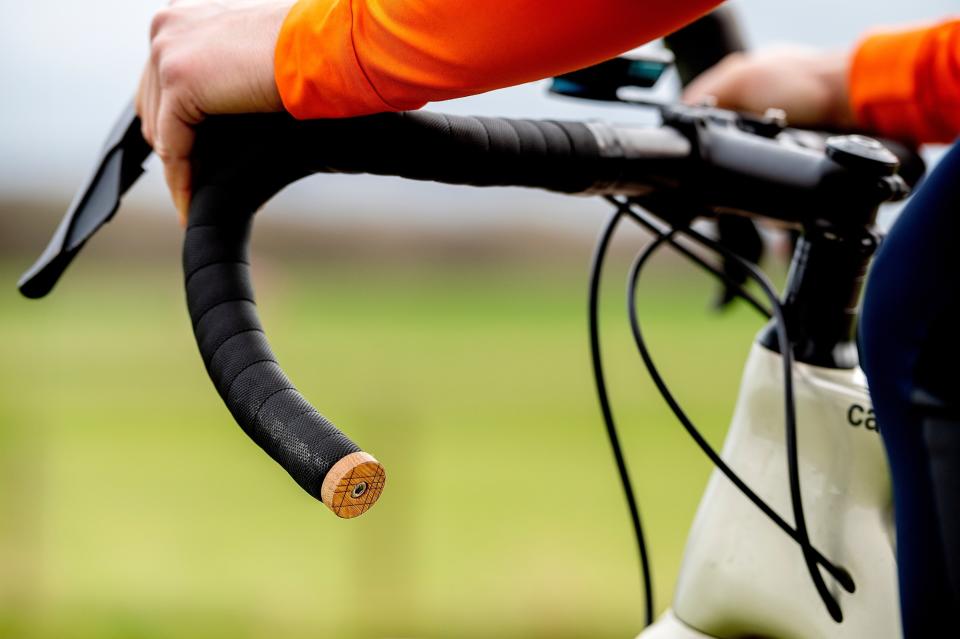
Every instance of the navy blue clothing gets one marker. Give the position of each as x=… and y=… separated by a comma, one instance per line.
x=910, y=351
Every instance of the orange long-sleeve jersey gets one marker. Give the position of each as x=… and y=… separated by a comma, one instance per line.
x=906, y=84
x=341, y=58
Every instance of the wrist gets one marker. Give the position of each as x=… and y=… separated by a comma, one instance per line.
x=276, y=15
x=834, y=73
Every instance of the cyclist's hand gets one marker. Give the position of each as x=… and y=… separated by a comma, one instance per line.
x=206, y=57
x=809, y=85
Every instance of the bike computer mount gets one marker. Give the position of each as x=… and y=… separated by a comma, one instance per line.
x=603, y=81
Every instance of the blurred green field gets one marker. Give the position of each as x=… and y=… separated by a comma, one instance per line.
x=132, y=506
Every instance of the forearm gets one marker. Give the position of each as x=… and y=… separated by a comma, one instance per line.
x=340, y=58
x=906, y=84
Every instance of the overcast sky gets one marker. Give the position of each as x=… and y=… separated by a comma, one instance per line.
x=67, y=67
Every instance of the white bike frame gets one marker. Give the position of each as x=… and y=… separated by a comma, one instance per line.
x=741, y=575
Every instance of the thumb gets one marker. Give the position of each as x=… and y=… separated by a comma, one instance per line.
x=706, y=89
x=720, y=83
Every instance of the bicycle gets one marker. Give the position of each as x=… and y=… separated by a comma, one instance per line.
x=700, y=162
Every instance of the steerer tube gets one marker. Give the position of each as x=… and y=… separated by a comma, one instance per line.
x=822, y=296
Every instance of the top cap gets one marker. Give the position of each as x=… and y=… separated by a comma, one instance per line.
x=861, y=153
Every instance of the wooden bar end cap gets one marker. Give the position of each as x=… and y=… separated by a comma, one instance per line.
x=353, y=485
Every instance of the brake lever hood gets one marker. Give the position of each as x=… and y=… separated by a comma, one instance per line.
x=119, y=167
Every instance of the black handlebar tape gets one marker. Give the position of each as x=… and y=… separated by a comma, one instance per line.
x=262, y=399
x=558, y=156
x=242, y=161
x=565, y=157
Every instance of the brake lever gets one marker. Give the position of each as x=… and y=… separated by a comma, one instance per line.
x=119, y=167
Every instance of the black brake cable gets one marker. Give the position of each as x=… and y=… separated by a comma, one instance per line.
x=812, y=556
x=839, y=573
x=737, y=287
x=596, y=270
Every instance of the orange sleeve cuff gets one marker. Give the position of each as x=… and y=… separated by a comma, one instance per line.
x=906, y=84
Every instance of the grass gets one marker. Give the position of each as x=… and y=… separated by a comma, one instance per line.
x=132, y=506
